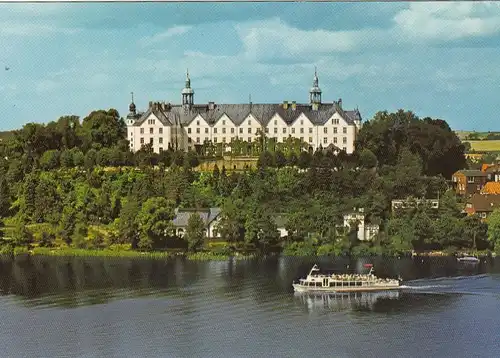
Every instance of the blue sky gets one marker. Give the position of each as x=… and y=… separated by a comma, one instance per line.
x=437, y=59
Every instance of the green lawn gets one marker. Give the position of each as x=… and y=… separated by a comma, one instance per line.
x=485, y=145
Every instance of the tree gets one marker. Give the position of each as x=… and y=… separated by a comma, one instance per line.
x=195, y=232
x=155, y=222
x=260, y=230
x=231, y=222
x=367, y=158
x=494, y=229
x=128, y=227
x=21, y=236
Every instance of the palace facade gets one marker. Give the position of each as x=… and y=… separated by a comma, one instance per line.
x=186, y=125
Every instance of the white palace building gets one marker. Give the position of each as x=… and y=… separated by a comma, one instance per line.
x=188, y=124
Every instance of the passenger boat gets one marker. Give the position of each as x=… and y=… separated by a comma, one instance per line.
x=468, y=259
x=316, y=282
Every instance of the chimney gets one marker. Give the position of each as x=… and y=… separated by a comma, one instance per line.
x=285, y=104
x=294, y=105
x=211, y=105
x=340, y=103
x=150, y=104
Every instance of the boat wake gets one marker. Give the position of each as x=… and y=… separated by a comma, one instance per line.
x=426, y=287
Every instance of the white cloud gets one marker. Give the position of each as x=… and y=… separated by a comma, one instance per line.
x=420, y=23
x=448, y=21
x=171, y=32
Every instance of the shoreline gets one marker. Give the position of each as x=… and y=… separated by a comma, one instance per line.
x=206, y=255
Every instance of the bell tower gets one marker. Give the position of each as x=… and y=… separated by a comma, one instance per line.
x=187, y=93
x=315, y=92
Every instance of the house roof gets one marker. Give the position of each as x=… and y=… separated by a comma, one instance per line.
x=491, y=188
x=471, y=173
x=207, y=215
x=492, y=168
x=484, y=202
x=237, y=113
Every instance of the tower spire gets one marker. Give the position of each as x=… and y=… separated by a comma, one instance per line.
x=315, y=92
x=187, y=92
x=132, y=93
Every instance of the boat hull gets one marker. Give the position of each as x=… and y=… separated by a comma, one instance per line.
x=300, y=288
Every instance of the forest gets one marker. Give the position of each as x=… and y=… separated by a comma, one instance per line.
x=74, y=183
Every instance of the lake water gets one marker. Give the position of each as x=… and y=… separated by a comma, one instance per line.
x=98, y=307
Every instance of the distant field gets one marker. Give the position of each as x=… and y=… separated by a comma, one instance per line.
x=485, y=145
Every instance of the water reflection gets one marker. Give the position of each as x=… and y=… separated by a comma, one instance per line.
x=76, y=281
x=344, y=301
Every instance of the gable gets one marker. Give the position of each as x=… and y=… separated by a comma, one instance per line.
x=281, y=122
x=336, y=116
x=200, y=118
x=302, y=117
x=224, y=121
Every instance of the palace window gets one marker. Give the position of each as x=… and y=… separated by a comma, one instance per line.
x=215, y=139
x=142, y=130
x=160, y=140
x=310, y=139
x=223, y=130
x=301, y=122
x=223, y=139
x=197, y=139
x=161, y=149
x=344, y=130
x=275, y=130
x=249, y=140
x=325, y=140
x=310, y=130
x=232, y=130
x=284, y=130
x=301, y=139
x=160, y=130
x=293, y=130
x=150, y=140
x=344, y=140
x=344, y=149
x=301, y=130
x=206, y=130
x=151, y=130
x=249, y=130
x=197, y=123
x=325, y=130
x=335, y=140
x=241, y=130
x=335, y=130
x=142, y=140
x=189, y=130
x=249, y=122
x=198, y=130
x=275, y=122
x=267, y=130
x=189, y=139
x=215, y=130
x=151, y=121
x=223, y=122
x=131, y=134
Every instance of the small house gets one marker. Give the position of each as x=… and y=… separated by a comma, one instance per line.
x=209, y=216
x=469, y=182
x=482, y=204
